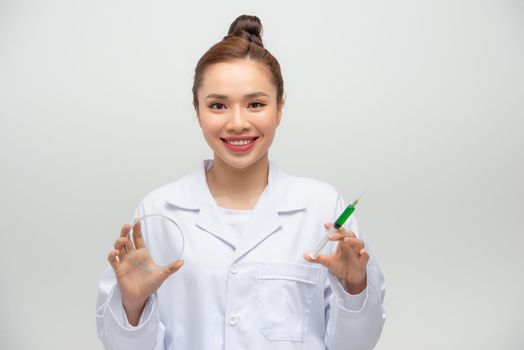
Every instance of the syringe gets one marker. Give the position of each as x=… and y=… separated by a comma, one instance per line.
x=340, y=221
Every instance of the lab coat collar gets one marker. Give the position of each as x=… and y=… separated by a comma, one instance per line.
x=192, y=193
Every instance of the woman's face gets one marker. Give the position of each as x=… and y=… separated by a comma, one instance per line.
x=238, y=112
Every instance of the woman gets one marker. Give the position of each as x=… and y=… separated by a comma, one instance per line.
x=246, y=281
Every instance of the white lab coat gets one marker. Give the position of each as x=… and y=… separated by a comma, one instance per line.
x=257, y=293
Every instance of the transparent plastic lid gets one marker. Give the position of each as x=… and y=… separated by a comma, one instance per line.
x=157, y=242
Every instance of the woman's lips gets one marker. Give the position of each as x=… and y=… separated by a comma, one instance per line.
x=240, y=144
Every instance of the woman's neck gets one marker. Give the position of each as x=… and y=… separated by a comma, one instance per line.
x=237, y=188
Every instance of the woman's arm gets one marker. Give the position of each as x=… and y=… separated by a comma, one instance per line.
x=355, y=290
x=127, y=312
x=356, y=321
x=113, y=326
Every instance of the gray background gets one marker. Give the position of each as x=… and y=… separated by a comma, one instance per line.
x=421, y=102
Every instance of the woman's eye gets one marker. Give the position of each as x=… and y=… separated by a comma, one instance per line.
x=219, y=105
x=257, y=104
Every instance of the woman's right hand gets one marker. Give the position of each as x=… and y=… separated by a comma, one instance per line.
x=136, y=284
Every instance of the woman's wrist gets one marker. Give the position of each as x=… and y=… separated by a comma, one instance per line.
x=355, y=288
x=134, y=311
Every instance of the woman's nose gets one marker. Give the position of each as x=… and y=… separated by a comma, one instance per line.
x=237, y=120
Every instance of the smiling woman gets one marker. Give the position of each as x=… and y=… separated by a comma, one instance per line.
x=247, y=283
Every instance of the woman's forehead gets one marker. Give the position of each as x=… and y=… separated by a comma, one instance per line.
x=237, y=77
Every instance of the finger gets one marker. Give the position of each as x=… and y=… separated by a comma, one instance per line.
x=138, y=239
x=364, y=256
x=120, y=242
x=358, y=244
x=337, y=236
x=124, y=232
x=120, y=245
x=341, y=234
x=354, y=244
x=351, y=234
x=112, y=258
x=174, y=267
x=320, y=259
x=328, y=225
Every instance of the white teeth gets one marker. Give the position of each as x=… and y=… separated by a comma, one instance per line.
x=239, y=142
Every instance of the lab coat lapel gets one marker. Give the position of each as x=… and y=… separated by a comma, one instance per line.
x=279, y=196
x=192, y=193
x=209, y=220
x=264, y=221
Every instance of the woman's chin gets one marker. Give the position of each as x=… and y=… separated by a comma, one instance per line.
x=240, y=162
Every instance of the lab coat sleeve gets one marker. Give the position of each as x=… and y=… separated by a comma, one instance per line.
x=113, y=328
x=355, y=322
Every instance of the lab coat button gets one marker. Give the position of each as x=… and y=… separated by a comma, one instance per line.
x=233, y=320
x=234, y=269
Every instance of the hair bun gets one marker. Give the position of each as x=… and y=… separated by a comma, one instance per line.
x=247, y=27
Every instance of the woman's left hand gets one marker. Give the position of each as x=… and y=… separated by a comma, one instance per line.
x=349, y=260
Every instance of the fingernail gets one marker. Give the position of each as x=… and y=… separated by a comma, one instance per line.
x=332, y=235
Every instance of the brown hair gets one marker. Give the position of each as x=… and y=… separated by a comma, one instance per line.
x=243, y=40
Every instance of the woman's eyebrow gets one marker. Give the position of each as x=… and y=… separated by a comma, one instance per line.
x=225, y=97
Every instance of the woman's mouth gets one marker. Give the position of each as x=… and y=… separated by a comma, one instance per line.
x=239, y=144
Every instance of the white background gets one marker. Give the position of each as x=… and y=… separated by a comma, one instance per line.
x=422, y=102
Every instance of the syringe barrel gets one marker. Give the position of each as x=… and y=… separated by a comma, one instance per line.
x=345, y=215
x=322, y=242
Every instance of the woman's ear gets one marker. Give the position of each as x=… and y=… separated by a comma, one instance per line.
x=197, y=115
x=279, y=111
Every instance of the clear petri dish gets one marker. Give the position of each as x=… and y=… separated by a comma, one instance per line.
x=161, y=245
